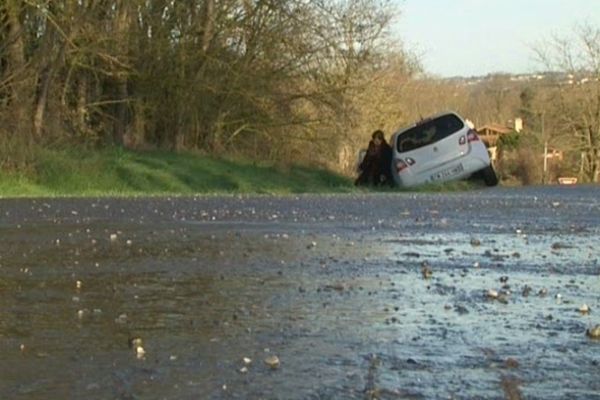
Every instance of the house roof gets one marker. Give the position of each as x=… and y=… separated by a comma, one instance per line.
x=494, y=128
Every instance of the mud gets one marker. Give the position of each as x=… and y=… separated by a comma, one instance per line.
x=382, y=296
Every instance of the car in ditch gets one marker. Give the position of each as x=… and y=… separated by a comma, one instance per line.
x=439, y=149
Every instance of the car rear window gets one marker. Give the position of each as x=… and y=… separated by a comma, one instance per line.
x=428, y=132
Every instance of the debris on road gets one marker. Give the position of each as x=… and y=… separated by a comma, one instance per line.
x=272, y=362
x=584, y=309
x=593, y=333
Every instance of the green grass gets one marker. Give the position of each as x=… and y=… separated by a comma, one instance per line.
x=452, y=186
x=118, y=172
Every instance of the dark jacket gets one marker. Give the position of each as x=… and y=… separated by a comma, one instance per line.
x=375, y=168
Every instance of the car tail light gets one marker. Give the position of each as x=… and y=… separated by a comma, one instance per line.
x=472, y=136
x=400, y=165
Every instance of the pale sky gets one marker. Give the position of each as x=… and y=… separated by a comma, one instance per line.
x=477, y=37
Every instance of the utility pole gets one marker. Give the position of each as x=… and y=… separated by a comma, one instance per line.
x=544, y=175
x=545, y=162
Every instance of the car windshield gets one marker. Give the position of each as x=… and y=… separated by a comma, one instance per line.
x=428, y=132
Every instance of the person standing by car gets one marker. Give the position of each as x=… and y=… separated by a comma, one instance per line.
x=375, y=168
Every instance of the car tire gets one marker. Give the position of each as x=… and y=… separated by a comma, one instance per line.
x=489, y=176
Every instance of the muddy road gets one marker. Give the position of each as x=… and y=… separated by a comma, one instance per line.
x=378, y=296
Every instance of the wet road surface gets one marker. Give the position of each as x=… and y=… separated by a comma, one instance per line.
x=377, y=296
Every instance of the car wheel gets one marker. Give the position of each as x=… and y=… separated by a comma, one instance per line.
x=489, y=176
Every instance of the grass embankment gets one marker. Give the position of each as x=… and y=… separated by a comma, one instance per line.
x=118, y=172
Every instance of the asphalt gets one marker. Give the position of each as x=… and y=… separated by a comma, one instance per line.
x=392, y=295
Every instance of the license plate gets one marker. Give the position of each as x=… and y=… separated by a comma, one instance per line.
x=448, y=172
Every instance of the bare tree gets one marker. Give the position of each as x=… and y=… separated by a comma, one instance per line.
x=575, y=100
x=15, y=71
x=16, y=89
x=270, y=78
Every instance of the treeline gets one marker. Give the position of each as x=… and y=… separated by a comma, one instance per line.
x=560, y=108
x=280, y=80
x=269, y=79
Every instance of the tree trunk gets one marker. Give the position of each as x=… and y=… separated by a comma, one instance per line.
x=209, y=21
x=16, y=44
x=42, y=100
x=123, y=22
x=15, y=70
x=47, y=75
x=82, y=100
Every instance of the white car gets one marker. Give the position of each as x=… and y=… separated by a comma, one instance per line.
x=437, y=149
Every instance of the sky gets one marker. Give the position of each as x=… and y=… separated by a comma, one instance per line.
x=477, y=37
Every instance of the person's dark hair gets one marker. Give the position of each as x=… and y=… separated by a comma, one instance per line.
x=379, y=135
